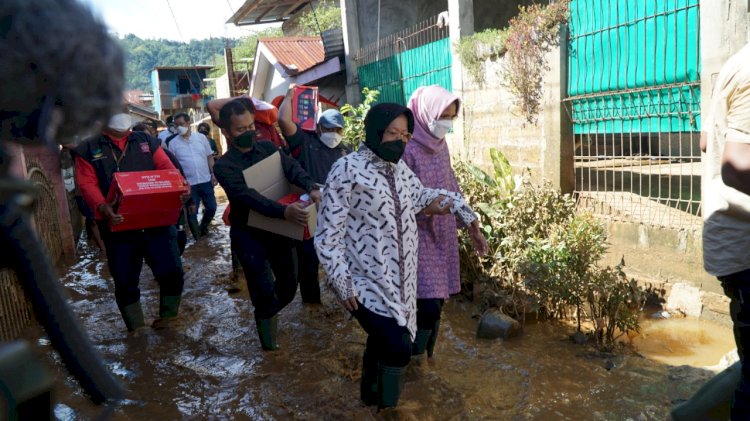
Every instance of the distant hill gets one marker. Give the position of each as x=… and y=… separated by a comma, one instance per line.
x=142, y=55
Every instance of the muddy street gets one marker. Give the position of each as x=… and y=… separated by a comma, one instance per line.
x=209, y=365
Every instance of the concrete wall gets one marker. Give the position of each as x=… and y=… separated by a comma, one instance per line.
x=493, y=120
x=395, y=15
x=724, y=31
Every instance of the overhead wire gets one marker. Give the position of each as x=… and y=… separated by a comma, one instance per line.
x=315, y=16
x=192, y=64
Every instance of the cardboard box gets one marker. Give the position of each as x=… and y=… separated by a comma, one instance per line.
x=305, y=106
x=147, y=199
x=268, y=179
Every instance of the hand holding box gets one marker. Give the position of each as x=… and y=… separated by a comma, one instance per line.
x=147, y=199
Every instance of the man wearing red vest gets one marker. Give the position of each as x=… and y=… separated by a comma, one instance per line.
x=97, y=159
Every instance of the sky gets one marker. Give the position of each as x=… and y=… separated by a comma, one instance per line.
x=152, y=19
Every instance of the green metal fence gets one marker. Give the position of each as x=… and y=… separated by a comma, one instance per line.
x=634, y=99
x=400, y=63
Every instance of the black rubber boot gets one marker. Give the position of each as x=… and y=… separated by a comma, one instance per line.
x=132, y=314
x=368, y=384
x=267, y=330
x=433, y=339
x=390, y=383
x=194, y=228
x=181, y=239
x=420, y=341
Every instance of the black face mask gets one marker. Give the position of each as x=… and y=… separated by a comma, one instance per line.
x=390, y=151
x=245, y=140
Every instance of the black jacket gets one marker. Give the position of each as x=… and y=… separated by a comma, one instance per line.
x=228, y=171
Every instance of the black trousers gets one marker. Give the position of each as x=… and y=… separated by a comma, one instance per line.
x=309, y=287
x=270, y=267
x=737, y=288
x=428, y=312
x=126, y=252
x=389, y=343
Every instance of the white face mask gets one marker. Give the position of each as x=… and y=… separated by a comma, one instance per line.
x=182, y=130
x=331, y=139
x=439, y=128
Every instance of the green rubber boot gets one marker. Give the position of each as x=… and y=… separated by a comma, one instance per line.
x=132, y=314
x=267, y=330
x=169, y=306
x=390, y=383
x=368, y=384
x=420, y=341
x=433, y=339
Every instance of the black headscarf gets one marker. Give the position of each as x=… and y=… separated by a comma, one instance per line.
x=378, y=119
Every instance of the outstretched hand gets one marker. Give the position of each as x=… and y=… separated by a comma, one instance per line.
x=477, y=239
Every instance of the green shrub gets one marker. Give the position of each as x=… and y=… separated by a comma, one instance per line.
x=543, y=255
x=354, y=118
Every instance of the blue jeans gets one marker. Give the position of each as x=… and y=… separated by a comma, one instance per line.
x=203, y=192
x=737, y=288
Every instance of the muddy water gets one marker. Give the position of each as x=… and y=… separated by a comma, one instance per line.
x=210, y=366
x=678, y=341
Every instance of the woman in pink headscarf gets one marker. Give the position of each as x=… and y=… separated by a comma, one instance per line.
x=438, y=275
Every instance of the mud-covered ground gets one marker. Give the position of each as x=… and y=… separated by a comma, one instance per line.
x=209, y=366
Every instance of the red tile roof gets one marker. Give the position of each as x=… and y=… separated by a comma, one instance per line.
x=297, y=54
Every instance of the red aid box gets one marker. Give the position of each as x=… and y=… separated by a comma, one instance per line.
x=305, y=106
x=147, y=199
x=297, y=198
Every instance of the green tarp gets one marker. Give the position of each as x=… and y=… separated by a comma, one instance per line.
x=620, y=46
x=397, y=76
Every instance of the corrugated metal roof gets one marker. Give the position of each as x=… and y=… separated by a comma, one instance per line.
x=254, y=12
x=296, y=54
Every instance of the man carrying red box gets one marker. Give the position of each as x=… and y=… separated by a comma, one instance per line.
x=97, y=160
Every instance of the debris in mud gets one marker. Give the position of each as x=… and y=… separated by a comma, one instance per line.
x=495, y=324
x=579, y=338
x=661, y=315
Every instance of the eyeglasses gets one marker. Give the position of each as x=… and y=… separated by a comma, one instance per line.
x=405, y=136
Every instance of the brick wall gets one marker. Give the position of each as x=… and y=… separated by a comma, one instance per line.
x=492, y=120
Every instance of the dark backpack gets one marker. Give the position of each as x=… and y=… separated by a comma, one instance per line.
x=169, y=139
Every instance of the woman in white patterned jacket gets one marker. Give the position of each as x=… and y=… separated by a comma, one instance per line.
x=367, y=242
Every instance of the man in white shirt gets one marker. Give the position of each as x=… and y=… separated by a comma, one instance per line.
x=726, y=205
x=169, y=132
x=196, y=157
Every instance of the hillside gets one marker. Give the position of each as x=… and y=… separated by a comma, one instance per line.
x=142, y=55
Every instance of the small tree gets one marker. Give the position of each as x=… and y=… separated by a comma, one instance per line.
x=324, y=16
x=354, y=118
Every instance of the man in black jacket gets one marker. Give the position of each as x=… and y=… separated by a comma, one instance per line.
x=258, y=249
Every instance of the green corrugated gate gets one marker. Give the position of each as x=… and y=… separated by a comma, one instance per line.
x=634, y=66
x=400, y=64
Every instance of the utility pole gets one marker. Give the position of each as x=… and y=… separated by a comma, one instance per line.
x=230, y=71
